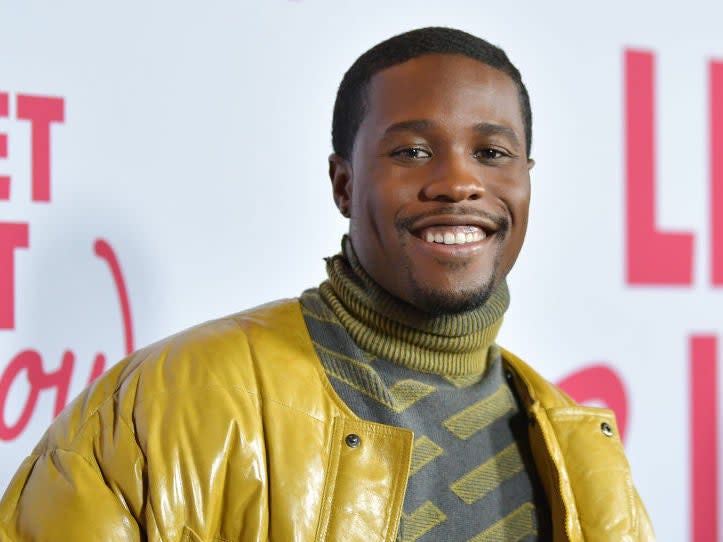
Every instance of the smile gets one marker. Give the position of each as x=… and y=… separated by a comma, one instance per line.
x=452, y=235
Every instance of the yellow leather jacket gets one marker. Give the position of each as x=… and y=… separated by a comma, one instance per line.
x=231, y=431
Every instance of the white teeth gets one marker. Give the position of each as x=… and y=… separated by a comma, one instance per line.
x=454, y=238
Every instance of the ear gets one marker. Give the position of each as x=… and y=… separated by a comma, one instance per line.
x=341, y=185
x=530, y=164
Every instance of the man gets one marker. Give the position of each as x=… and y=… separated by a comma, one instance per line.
x=376, y=407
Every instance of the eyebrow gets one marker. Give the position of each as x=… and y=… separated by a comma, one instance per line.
x=483, y=128
x=487, y=128
x=418, y=125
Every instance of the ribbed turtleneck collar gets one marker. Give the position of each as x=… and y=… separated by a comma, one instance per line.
x=451, y=344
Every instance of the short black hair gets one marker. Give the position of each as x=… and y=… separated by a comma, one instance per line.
x=350, y=104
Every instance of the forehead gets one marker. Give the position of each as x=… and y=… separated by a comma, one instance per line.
x=448, y=88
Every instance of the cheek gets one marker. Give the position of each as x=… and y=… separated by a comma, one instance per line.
x=381, y=199
x=372, y=221
x=519, y=211
x=517, y=200
x=516, y=195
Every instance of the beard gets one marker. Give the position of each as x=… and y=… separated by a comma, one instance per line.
x=439, y=302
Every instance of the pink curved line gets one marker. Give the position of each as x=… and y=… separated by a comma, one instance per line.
x=105, y=251
x=600, y=382
x=98, y=367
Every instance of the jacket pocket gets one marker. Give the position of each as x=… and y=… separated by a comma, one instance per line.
x=365, y=483
x=596, y=469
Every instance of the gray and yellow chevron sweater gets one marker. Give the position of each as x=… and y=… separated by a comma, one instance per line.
x=471, y=476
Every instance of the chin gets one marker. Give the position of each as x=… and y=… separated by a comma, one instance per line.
x=439, y=302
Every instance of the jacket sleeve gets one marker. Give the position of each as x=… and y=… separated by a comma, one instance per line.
x=60, y=495
x=83, y=481
x=645, y=526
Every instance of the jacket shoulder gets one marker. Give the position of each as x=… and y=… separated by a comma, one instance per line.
x=226, y=353
x=535, y=387
x=186, y=400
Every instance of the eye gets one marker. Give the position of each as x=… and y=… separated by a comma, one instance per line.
x=411, y=154
x=488, y=154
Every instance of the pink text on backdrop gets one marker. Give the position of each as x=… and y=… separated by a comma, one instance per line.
x=30, y=363
x=41, y=112
x=655, y=257
x=664, y=259
x=13, y=236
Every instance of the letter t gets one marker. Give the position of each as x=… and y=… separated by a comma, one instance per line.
x=12, y=236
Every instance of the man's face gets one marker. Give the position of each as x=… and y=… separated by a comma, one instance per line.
x=438, y=184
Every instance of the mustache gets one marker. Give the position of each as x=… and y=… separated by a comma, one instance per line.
x=407, y=222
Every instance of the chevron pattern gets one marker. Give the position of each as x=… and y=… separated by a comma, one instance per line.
x=514, y=527
x=480, y=415
x=491, y=474
x=467, y=477
x=423, y=451
x=420, y=522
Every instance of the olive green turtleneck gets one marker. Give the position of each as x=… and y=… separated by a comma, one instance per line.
x=441, y=377
x=450, y=344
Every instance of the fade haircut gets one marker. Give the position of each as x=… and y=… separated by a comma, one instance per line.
x=351, y=98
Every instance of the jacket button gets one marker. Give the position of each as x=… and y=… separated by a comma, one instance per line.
x=606, y=429
x=352, y=440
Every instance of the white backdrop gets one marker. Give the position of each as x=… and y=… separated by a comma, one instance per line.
x=193, y=144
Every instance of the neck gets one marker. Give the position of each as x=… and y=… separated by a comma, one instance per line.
x=387, y=327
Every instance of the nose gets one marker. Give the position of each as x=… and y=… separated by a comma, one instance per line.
x=454, y=181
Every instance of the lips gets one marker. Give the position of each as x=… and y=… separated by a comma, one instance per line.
x=465, y=228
